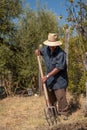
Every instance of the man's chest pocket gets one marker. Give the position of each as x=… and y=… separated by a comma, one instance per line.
x=47, y=62
x=53, y=63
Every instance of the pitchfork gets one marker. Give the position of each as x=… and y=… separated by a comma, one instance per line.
x=49, y=111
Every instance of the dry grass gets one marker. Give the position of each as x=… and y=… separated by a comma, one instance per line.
x=26, y=113
x=21, y=113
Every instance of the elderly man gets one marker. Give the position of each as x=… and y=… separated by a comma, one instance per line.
x=56, y=78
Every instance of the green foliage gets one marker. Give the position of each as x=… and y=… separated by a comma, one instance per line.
x=9, y=10
x=4, y=55
x=82, y=84
x=77, y=74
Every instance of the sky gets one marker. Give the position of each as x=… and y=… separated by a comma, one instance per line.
x=57, y=7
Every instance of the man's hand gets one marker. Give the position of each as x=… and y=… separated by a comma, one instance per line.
x=44, y=78
x=37, y=52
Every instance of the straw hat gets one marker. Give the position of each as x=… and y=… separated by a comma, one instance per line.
x=52, y=40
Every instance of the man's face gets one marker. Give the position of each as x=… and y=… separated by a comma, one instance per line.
x=52, y=48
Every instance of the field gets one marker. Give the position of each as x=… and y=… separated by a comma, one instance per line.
x=26, y=113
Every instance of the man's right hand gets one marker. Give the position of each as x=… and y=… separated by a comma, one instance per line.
x=37, y=52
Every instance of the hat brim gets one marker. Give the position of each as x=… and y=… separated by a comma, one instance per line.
x=56, y=43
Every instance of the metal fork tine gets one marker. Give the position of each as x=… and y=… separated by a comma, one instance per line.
x=51, y=115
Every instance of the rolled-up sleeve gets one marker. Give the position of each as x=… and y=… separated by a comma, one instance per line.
x=61, y=61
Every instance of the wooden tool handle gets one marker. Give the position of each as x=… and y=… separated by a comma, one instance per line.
x=44, y=85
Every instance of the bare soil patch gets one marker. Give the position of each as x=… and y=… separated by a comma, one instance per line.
x=26, y=113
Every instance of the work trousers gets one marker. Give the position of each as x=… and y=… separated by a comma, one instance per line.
x=59, y=96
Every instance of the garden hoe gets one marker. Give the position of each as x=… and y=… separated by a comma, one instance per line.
x=49, y=111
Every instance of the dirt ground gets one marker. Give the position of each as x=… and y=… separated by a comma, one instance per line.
x=80, y=125
x=26, y=113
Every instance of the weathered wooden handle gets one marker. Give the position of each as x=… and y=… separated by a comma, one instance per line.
x=44, y=85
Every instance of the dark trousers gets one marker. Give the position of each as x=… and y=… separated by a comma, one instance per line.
x=59, y=96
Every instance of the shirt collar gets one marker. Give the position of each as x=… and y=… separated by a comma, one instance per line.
x=54, y=52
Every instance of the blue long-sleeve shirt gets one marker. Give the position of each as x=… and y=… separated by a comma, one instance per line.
x=55, y=60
